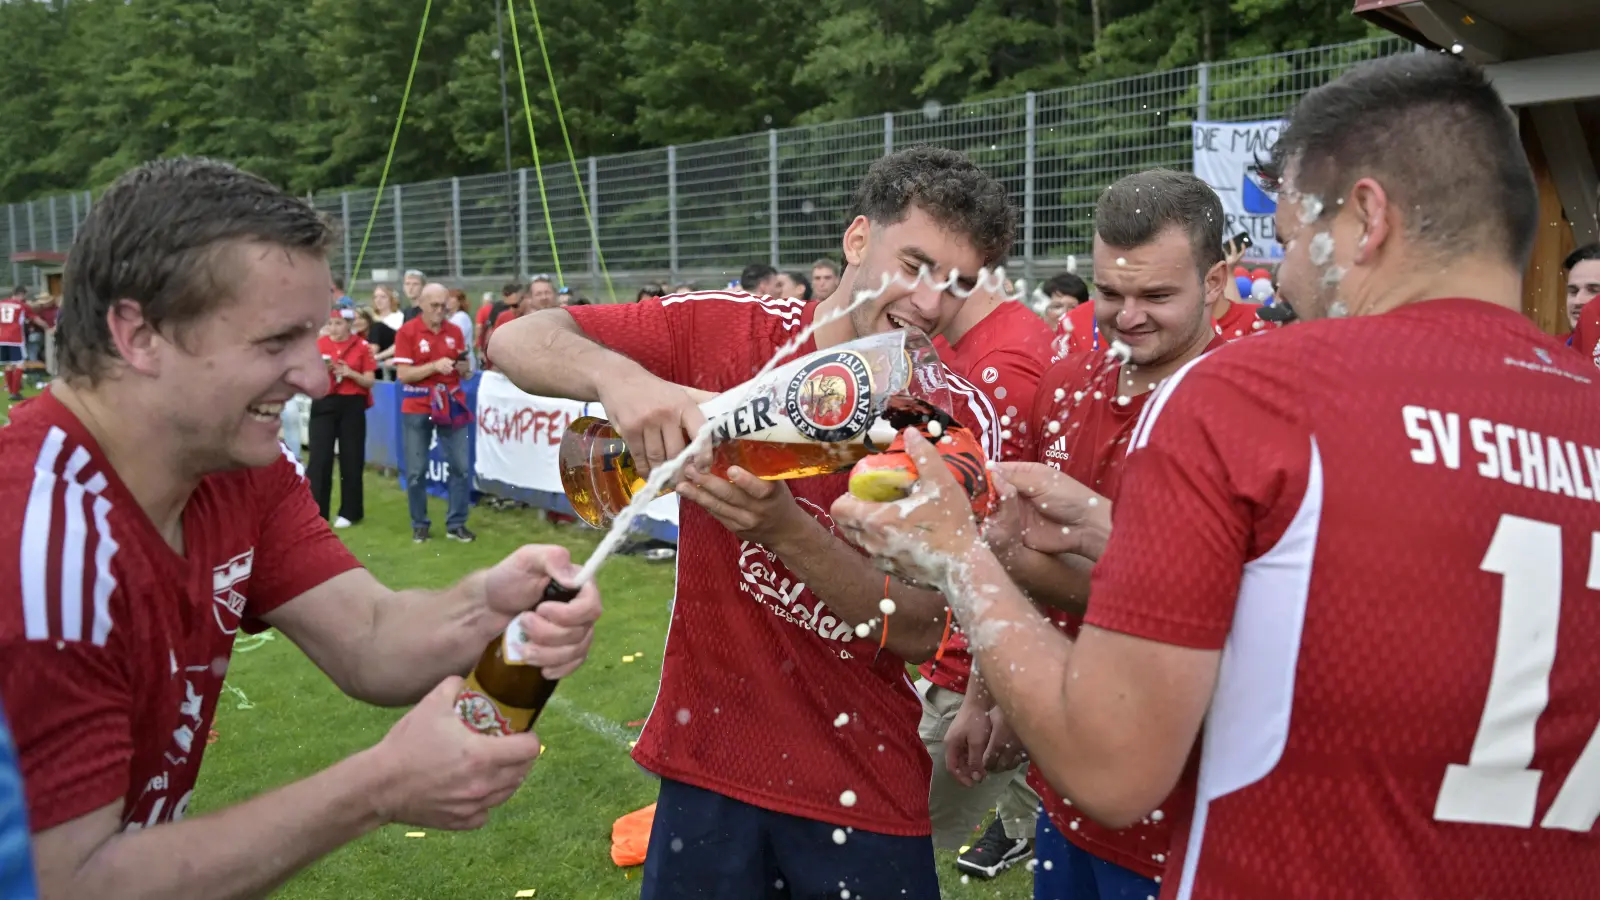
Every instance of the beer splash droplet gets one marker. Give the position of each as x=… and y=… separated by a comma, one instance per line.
x=848, y=798
x=683, y=717
x=677, y=845
x=838, y=836
x=1053, y=427
x=842, y=720
x=863, y=630
x=886, y=606
x=935, y=428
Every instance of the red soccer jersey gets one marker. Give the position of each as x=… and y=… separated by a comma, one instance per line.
x=13, y=313
x=1586, y=337
x=1387, y=525
x=415, y=344
x=112, y=646
x=757, y=669
x=1082, y=429
x=1077, y=332
x=1003, y=356
x=356, y=353
x=1241, y=320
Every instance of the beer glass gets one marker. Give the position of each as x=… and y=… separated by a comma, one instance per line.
x=815, y=415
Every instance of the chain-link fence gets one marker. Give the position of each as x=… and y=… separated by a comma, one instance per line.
x=701, y=212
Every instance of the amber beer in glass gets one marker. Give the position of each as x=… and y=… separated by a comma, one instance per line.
x=813, y=416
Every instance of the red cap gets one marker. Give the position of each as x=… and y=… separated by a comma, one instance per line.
x=1241, y=272
x=1260, y=273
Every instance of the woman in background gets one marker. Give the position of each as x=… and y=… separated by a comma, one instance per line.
x=456, y=313
x=341, y=417
x=381, y=334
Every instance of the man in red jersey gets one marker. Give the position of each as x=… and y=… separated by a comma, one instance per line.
x=1001, y=347
x=786, y=742
x=430, y=357
x=1583, y=286
x=1159, y=272
x=14, y=314
x=155, y=514
x=1379, y=594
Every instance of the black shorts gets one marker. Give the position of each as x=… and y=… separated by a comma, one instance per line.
x=11, y=353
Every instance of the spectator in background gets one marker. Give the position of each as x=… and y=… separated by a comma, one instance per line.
x=340, y=298
x=542, y=293
x=824, y=278
x=387, y=305
x=511, y=297
x=1064, y=293
x=456, y=313
x=648, y=291
x=428, y=356
x=792, y=286
x=412, y=285
x=341, y=417
x=16, y=859
x=13, y=322
x=1583, y=280
x=683, y=289
x=759, y=279
x=386, y=320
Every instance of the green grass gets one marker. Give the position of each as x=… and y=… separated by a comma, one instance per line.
x=281, y=720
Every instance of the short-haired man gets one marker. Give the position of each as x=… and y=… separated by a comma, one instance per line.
x=1063, y=293
x=759, y=279
x=430, y=361
x=824, y=278
x=155, y=515
x=1360, y=550
x=1583, y=286
x=786, y=741
x=412, y=286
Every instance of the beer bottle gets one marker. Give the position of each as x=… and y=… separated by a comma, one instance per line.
x=505, y=696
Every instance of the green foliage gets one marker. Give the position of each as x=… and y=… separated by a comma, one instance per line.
x=306, y=92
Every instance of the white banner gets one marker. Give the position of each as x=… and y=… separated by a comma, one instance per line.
x=519, y=439
x=1224, y=153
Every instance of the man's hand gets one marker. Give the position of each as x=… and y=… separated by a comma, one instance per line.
x=443, y=366
x=919, y=537
x=558, y=633
x=967, y=741
x=753, y=509
x=1059, y=515
x=656, y=418
x=441, y=774
x=1005, y=750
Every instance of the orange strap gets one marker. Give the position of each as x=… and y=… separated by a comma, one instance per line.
x=883, y=636
x=943, y=638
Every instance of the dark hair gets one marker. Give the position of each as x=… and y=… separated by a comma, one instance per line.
x=804, y=281
x=338, y=284
x=1135, y=209
x=948, y=187
x=825, y=263
x=1582, y=254
x=1069, y=284
x=157, y=238
x=754, y=274
x=19, y=289
x=1431, y=128
x=510, y=289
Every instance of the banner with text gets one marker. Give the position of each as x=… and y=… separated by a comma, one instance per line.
x=519, y=439
x=1224, y=156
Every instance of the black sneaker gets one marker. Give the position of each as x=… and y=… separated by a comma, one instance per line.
x=419, y=534
x=994, y=852
x=460, y=533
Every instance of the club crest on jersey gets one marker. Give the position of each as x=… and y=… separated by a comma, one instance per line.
x=831, y=398
x=422, y=345
x=227, y=582
x=991, y=375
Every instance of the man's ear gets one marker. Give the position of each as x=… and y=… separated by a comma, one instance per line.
x=136, y=341
x=856, y=239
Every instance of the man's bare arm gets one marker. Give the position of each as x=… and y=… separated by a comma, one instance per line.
x=410, y=374
x=853, y=588
x=391, y=647
x=546, y=353
x=240, y=852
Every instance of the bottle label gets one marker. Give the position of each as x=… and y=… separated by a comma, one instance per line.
x=483, y=714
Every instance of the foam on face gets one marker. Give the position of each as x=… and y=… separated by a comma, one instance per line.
x=1321, y=248
x=1310, y=208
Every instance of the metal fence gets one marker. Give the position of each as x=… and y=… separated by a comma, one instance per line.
x=703, y=211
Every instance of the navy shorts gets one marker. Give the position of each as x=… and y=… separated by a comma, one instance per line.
x=1065, y=871
x=11, y=353
x=711, y=847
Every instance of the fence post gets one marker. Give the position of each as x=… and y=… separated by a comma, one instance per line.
x=72, y=204
x=33, y=242
x=455, y=226
x=888, y=133
x=399, y=235
x=1030, y=155
x=88, y=201
x=772, y=190
x=53, y=244
x=11, y=231
x=594, y=228
x=522, y=224
x=1203, y=100
x=672, y=212
x=344, y=219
